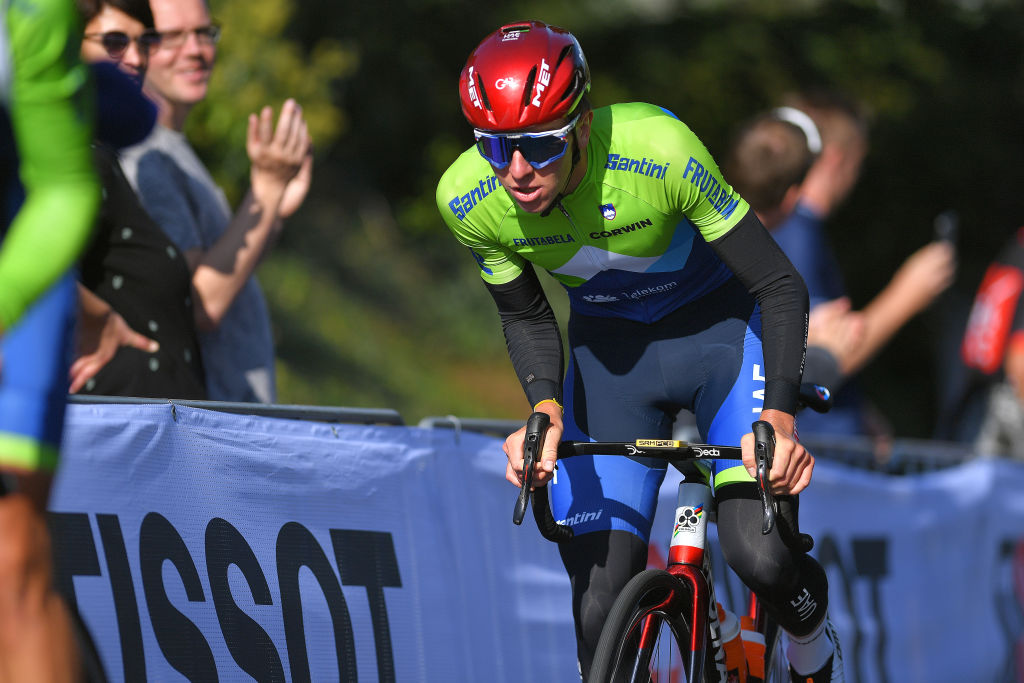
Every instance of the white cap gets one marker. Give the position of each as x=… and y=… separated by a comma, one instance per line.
x=804, y=123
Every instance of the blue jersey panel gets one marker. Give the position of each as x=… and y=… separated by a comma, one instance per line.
x=36, y=355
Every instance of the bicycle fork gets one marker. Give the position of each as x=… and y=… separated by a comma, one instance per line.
x=689, y=561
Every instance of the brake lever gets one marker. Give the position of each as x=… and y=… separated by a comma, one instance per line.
x=533, y=443
x=764, y=453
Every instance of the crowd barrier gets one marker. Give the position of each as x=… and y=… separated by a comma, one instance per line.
x=331, y=544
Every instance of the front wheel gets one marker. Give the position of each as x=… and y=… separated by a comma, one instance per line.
x=776, y=664
x=646, y=636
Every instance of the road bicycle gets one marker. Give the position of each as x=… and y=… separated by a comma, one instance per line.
x=665, y=621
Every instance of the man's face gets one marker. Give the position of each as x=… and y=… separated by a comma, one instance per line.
x=179, y=68
x=533, y=189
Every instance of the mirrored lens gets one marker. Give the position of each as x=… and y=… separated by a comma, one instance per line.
x=538, y=151
x=496, y=150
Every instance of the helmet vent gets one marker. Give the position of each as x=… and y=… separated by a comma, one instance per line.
x=483, y=92
x=528, y=86
x=515, y=28
x=575, y=86
x=566, y=51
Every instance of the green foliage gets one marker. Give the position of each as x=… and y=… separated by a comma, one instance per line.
x=259, y=65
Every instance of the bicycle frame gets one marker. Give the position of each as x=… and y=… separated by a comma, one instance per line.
x=689, y=561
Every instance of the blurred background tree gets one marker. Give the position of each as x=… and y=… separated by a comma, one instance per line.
x=373, y=302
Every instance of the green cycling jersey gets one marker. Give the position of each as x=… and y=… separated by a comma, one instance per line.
x=627, y=241
x=47, y=133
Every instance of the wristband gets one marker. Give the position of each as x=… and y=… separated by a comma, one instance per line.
x=549, y=400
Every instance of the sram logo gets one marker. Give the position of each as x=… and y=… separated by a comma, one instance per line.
x=543, y=80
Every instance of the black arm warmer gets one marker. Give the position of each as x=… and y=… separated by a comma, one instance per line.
x=762, y=267
x=532, y=336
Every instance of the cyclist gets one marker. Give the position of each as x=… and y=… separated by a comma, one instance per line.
x=669, y=275
x=49, y=199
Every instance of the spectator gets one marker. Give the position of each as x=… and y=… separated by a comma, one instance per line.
x=795, y=167
x=132, y=277
x=987, y=406
x=221, y=249
x=48, y=199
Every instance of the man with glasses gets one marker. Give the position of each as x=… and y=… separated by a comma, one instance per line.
x=221, y=248
x=678, y=299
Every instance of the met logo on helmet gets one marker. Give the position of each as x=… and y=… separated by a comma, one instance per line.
x=542, y=82
x=471, y=85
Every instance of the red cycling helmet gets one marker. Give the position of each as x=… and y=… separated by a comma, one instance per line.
x=522, y=75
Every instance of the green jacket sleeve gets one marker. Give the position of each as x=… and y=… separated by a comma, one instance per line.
x=50, y=109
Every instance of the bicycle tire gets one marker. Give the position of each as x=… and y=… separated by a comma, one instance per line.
x=652, y=593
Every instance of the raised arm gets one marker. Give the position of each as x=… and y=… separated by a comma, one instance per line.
x=921, y=278
x=277, y=156
x=52, y=132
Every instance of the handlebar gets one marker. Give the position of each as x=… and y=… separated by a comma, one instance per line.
x=764, y=454
x=815, y=397
x=536, y=429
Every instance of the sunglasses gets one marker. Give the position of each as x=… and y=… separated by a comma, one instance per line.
x=206, y=35
x=116, y=42
x=539, y=149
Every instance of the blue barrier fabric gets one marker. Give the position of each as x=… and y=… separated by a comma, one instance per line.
x=223, y=547
x=210, y=546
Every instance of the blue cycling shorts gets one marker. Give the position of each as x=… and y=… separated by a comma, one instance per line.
x=628, y=380
x=35, y=356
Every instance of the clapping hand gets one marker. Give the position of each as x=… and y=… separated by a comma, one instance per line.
x=281, y=158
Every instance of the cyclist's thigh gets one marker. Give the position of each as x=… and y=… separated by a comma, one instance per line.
x=731, y=396
x=36, y=353
x=613, y=392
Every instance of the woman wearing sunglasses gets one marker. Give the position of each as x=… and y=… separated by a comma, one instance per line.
x=120, y=31
x=669, y=276
x=137, y=334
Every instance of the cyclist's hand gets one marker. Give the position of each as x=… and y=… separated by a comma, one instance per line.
x=793, y=464
x=544, y=470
